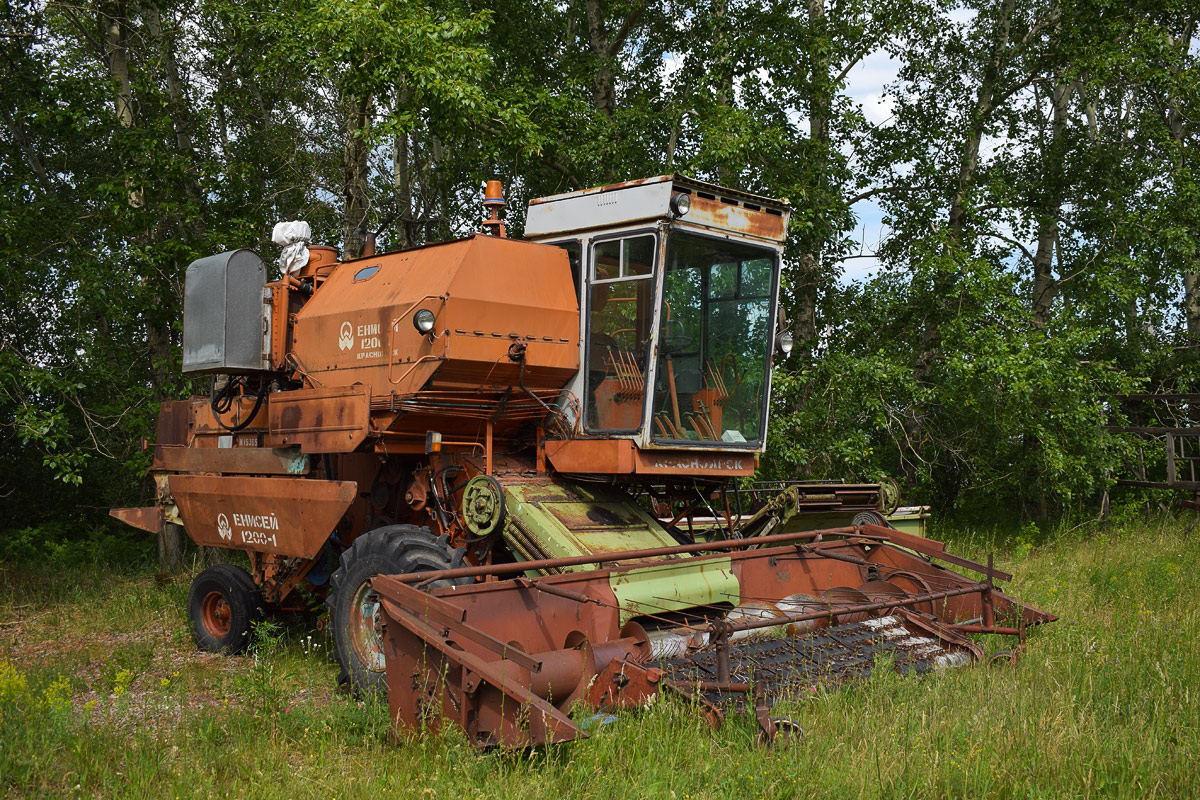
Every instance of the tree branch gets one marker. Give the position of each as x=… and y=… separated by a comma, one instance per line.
x=1014, y=243
x=869, y=193
x=31, y=156
x=841, y=76
x=77, y=23
x=626, y=28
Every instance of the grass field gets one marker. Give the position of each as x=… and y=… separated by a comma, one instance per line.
x=102, y=693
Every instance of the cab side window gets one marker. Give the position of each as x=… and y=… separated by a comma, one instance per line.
x=620, y=317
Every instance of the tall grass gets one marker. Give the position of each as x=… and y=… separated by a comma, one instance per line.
x=103, y=694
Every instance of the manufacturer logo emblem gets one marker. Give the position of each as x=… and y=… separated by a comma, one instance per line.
x=223, y=527
x=346, y=336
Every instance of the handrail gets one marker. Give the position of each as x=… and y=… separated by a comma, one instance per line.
x=392, y=337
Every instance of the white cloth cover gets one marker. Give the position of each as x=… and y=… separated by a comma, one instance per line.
x=293, y=237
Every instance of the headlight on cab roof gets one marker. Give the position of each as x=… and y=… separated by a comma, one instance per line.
x=681, y=203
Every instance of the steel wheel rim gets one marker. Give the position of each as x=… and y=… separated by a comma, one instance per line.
x=216, y=614
x=365, y=623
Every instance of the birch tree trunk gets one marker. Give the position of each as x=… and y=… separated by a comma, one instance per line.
x=977, y=122
x=1177, y=125
x=604, y=96
x=354, y=163
x=116, y=58
x=115, y=23
x=1045, y=286
x=809, y=265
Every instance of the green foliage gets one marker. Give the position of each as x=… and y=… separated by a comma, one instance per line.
x=1034, y=265
x=58, y=544
x=1008, y=415
x=139, y=137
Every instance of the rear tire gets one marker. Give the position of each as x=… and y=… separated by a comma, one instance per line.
x=357, y=617
x=223, y=605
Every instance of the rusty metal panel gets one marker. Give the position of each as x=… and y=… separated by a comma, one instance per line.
x=696, y=462
x=323, y=420
x=203, y=423
x=286, y=516
x=442, y=669
x=173, y=422
x=172, y=428
x=714, y=212
x=622, y=457
x=147, y=518
x=592, y=456
x=280, y=326
x=234, y=460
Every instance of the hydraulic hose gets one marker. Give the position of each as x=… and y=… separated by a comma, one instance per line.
x=222, y=402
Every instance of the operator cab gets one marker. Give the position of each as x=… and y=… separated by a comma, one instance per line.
x=678, y=283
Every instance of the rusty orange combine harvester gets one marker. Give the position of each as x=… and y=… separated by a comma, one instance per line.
x=511, y=468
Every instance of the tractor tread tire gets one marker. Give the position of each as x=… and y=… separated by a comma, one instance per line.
x=243, y=605
x=390, y=550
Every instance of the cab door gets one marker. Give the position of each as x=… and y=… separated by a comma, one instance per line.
x=620, y=327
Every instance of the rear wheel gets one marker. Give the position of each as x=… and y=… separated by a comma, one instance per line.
x=357, y=617
x=223, y=605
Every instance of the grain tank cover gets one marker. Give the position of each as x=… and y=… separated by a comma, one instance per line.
x=485, y=293
x=224, y=319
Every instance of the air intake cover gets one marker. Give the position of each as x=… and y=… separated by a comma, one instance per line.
x=225, y=323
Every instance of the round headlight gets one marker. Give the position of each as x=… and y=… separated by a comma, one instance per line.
x=423, y=320
x=785, y=342
x=681, y=203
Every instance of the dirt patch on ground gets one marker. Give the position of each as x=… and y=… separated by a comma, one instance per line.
x=144, y=679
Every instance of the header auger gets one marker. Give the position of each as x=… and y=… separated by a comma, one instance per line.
x=510, y=468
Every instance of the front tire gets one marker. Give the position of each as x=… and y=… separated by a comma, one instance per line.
x=223, y=605
x=357, y=617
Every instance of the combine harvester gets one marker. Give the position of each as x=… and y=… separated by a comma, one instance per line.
x=510, y=467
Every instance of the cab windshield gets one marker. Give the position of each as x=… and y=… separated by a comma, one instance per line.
x=714, y=341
